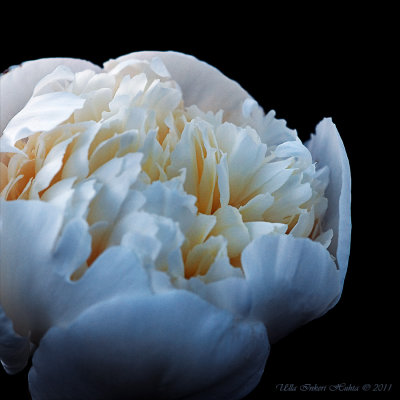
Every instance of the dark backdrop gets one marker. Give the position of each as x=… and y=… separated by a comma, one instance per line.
x=305, y=66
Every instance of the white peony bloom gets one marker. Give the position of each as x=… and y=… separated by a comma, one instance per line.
x=157, y=229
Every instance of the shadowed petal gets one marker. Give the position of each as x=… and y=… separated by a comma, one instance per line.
x=327, y=149
x=37, y=289
x=14, y=349
x=292, y=281
x=166, y=346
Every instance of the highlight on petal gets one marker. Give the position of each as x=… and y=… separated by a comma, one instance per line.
x=291, y=280
x=41, y=113
x=146, y=348
x=17, y=85
x=327, y=149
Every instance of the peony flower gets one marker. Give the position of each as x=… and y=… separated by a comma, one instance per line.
x=158, y=231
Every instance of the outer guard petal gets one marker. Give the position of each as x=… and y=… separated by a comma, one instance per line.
x=292, y=281
x=38, y=257
x=14, y=349
x=16, y=86
x=327, y=149
x=166, y=346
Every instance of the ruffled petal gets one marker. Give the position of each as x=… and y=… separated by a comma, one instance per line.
x=167, y=346
x=210, y=90
x=292, y=281
x=39, y=289
x=327, y=149
x=16, y=86
x=201, y=84
x=41, y=113
x=14, y=349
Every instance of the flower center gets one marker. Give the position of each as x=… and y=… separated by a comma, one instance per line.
x=184, y=189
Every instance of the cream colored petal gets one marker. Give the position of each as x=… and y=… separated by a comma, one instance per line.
x=50, y=168
x=116, y=177
x=77, y=164
x=3, y=176
x=208, y=88
x=254, y=209
x=230, y=225
x=201, y=84
x=184, y=157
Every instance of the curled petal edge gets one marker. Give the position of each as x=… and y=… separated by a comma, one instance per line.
x=17, y=84
x=327, y=149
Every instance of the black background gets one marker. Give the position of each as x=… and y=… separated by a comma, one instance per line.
x=306, y=64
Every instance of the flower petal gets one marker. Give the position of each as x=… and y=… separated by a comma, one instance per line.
x=232, y=293
x=191, y=74
x=210, y=90
x=166, y=346
x=14, y=349
x=37, y=289
x=41, y=113
x=16, y=86
x=292, y=281
x=327, y=149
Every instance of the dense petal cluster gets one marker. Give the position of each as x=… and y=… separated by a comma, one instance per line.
x=137, y=191
x=117, y=147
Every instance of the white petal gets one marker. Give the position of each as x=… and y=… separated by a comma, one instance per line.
x=14, y=349
x=294, y=148
x=16, y=86
x=117, y=175
x=206, y=87
x=327, y=149
x=41, y=113
x=144, y=347
x=254, y=209
x=230, y=225
x=292, y=281
x=304, y=224
x=77, y=164
x=55, y=81
x=261, y=228
x=50, y=168
x=201, y=84
x=178, y=206
x=232, y=294
x=223, y=180
x=37, y=291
